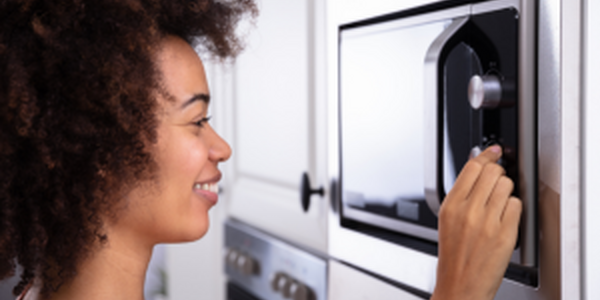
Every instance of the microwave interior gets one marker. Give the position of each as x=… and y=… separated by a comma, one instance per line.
x=385, y=118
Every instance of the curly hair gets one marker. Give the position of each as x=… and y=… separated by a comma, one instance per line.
x=77, y=112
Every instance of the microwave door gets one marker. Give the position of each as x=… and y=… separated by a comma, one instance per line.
x=381, y=127
x=471, y=74
x=433, y=92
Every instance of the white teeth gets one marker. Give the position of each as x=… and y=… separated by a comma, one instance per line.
x=211, y=187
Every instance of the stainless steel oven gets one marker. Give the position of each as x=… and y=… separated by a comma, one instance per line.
x=419, y=91
x=261, y=267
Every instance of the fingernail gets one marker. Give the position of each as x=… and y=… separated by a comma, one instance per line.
x=496, y=149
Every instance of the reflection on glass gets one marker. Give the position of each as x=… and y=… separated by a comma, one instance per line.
x=382, y=119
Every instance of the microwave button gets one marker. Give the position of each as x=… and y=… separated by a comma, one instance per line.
x=485, y=91
x=475, y=152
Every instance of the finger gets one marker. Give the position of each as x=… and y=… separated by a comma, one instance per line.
x=471, y=171
x=511, y=217
x=485, y=184
x=490, y=155
x=499, y=198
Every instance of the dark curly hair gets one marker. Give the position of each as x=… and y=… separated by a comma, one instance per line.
x=77, y=113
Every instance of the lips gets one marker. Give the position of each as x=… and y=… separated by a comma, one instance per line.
x=208, y=189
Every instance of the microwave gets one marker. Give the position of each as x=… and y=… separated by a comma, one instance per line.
x=419, y=92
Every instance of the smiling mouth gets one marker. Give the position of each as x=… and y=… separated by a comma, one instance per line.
x=211, y=187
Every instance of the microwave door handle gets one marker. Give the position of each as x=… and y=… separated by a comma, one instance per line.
x=433, y=97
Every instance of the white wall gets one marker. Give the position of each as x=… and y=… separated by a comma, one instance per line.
x=591, y=112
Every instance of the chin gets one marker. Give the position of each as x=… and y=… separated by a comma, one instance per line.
x=195, y=231
x=185, y=227
x=199, y=234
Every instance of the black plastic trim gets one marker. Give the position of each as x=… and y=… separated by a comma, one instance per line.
x=410, y=12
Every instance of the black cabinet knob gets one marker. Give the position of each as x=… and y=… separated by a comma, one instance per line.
x=306, y=191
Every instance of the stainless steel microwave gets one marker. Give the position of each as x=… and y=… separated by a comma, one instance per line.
x=419, y=91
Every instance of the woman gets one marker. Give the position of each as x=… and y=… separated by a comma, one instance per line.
x=106, y=150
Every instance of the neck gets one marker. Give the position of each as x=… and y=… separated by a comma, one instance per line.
x=115, y=271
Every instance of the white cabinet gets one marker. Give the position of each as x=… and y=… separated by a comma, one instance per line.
x=274, y=108
x=346, y=283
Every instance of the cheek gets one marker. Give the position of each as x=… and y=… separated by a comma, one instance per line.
x=183, y=159
x=180, y=215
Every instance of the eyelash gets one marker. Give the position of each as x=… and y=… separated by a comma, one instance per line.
x=202, y=122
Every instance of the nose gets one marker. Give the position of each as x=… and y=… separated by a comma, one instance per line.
x=219, y=150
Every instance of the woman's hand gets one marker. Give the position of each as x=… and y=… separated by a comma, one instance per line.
x=478, y=229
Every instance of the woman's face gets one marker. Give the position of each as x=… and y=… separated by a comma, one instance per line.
x=174, y=207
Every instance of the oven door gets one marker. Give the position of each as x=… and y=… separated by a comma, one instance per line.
x=420, y=91
x=238, y=292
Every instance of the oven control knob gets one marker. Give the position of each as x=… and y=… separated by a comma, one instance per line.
x=231, y=257
x=299, y=291
x=247, y=265
x=485, y=91
x=275, y=282
x=281, y=283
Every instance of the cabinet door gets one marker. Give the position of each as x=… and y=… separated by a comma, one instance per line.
x=276, y=123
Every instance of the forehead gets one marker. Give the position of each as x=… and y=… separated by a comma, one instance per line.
x=182, y=71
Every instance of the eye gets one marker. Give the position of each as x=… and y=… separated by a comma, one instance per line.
x=202, y=121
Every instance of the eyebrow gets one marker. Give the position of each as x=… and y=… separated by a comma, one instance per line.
x=196, y=97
